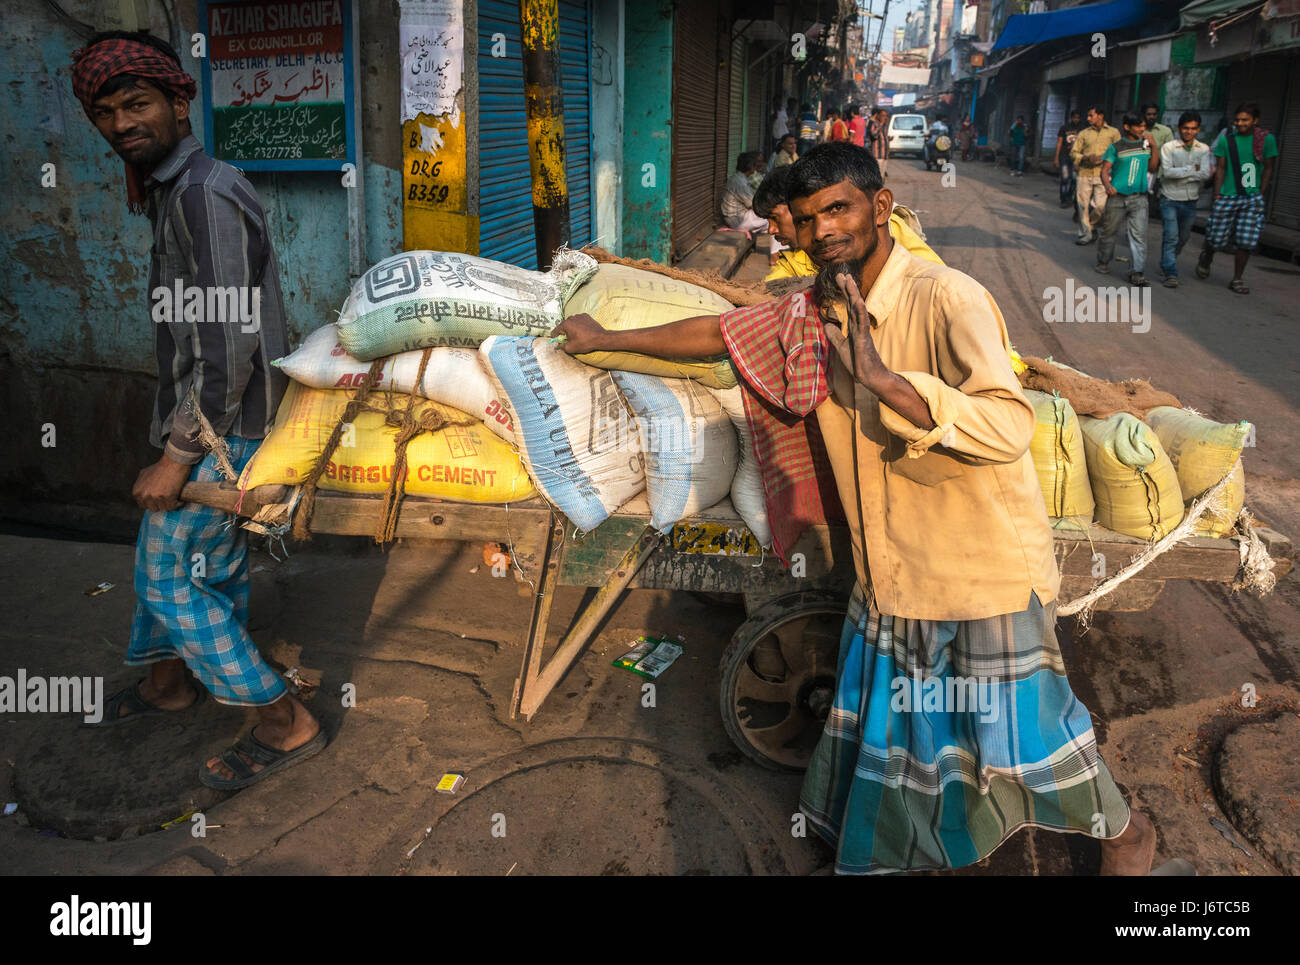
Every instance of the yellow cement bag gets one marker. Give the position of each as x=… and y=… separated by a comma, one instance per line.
x=623, y=298
x=1057, y=451
x=1133, y=481
x=463, y=462
x=1203, y=452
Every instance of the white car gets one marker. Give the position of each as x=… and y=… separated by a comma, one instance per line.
x=907, y=134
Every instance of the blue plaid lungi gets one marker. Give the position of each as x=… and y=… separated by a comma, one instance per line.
x=900, y=781
x=1245, y=212
x=191, y=586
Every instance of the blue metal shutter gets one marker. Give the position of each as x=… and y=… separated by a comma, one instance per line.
x=505, y=191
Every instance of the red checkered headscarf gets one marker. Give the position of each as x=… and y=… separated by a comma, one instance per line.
x=96, y=65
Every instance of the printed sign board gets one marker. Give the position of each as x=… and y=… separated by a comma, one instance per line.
x=278, y=83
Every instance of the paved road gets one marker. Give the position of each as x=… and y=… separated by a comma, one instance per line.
x=599, y=783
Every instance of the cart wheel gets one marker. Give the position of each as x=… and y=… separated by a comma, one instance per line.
x=778, y=678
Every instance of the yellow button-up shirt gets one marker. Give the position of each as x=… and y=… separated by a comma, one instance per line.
x=1092, y=141
x=948, y=523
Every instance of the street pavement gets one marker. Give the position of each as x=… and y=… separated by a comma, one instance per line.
x=598, y=783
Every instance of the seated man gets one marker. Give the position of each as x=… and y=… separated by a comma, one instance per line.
x=902, y=363
x=790, y=262
x=738, y=195
x=784, y=155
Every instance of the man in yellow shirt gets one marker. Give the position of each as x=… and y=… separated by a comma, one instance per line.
x=953, y=724
x=789, y=261
x=1089, y=146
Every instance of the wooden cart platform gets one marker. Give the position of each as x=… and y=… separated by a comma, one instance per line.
x=714, y=552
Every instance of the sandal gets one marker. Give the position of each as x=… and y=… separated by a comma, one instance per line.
x=130, y=699
x=1202, y=268
x=1238, y=286
x=271, y=758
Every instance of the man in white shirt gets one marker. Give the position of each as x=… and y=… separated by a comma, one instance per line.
x=1185, y=163
x=738, y=196
x=781, y=126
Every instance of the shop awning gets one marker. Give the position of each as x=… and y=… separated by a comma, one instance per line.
x=1033, y=28
x=1201, y=11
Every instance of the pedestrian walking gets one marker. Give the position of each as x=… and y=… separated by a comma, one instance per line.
x=209, y=232
x=1089, y=146
x=858, y=126
x=807, y=129
x=1019, y=138
x=858, y=357
x=878, y=140
x=965, y=137
x=781, y=123
x=1243, y=171
x=839, y=127
x=1124, y=170
x=1185, y=164
x=1161, y=134
x=1063, y=161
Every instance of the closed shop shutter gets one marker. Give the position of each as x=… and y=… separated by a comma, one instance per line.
x=695, y=131
x=736, y=102
x=1286, y=174
x=755, y=106
x=505, y=181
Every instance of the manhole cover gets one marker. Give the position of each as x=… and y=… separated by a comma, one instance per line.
x=584, y=817
x=89, y=783
x=1258, y=779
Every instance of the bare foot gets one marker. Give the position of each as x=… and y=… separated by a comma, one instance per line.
x=285, y=725
x=1133, y=851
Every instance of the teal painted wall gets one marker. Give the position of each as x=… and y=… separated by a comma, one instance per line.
x=647, y=130
x=75, y=334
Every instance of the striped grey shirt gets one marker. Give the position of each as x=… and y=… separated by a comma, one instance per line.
x=214, y=295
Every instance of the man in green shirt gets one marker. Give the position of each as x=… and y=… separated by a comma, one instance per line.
x=1124, y=169
x=1019, y=137
x=1244, y=169
x=1161, y=134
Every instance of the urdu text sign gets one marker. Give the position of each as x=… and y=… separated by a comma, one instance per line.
x=278, y=83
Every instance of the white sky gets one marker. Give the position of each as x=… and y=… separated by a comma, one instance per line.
x=898, y=10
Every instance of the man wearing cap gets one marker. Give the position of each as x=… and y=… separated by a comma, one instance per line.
x=191, y=567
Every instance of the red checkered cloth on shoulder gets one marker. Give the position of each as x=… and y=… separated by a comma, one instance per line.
x=96, y=65
x=783, y=357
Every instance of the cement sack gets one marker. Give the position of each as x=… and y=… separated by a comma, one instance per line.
x=1057, y=452
x=453, y=376
x=689, y=445
x=622, y=298
x=747, y=485
x=463, y=462
x=1203, y=452
x=423, y=299
x=572, y=427
x=1133, y=481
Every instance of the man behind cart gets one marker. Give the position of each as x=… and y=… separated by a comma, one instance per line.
x=191, y=566
x=904, y=365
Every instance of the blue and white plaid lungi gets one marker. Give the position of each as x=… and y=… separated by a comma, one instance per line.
x=191, y=585
x=914, y=771
x=1244, y=212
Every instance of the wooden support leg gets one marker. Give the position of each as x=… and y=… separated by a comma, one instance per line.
x=534, y=686
x=532, y=660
